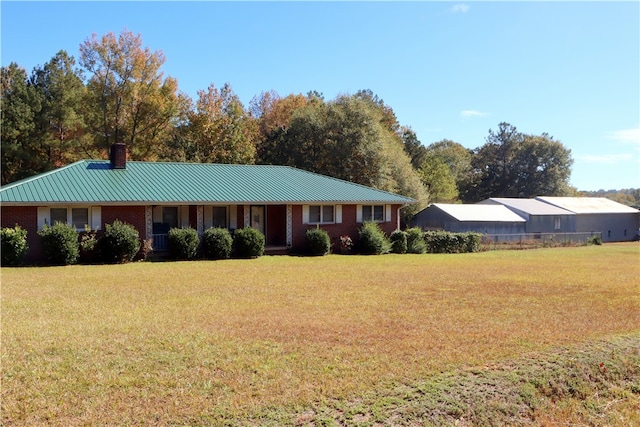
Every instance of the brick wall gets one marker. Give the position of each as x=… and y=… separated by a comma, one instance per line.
x=134, y=215
x=349, y=226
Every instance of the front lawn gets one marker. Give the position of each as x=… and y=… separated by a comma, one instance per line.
x=350, y=339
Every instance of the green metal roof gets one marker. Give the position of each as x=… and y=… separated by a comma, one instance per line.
x=95, y=182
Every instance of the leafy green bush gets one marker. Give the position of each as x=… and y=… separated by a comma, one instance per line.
x=415, y=241
x=473, y=241
x=445, y=242
x=88, y=243
x=248, y=243
x=14, y=245
x=183, y=243
x=398, y=242
x=120, y=242
x=217, y=243
x=60, y=243
x=318, y=241
x=372, y=240
x=593, y=240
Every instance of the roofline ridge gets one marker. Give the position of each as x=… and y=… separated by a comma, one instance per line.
x=40, y=175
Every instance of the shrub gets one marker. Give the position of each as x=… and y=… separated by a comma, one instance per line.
x=415, y=241
x=14, y=244
x=346, y=244
x=318, y=241
x=372, y=240
x=473, y=241
x=248, y=243
x=88, y=244
x=445, y=242
x=120, y=242
x=60, y=243
x=398, y=242
x=217, y=243
x=593, y=240
x=183, y=243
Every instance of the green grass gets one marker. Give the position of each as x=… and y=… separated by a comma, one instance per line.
x=392, y=340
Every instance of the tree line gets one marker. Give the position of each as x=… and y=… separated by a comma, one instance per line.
x=116, y=92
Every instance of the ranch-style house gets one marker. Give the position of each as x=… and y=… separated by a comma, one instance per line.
x=280, y=201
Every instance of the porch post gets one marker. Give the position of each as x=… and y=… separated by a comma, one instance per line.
x=200, y=219
x=148, y=219
x=289, y=226
x=247, y=216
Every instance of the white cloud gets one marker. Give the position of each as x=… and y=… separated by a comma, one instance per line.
x=606, y=158
x=626, y=136
x=459, y=8
x=472, y=113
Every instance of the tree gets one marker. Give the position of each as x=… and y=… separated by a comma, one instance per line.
x=221, y=131
x=60, y=123
x=513, y=164
x=437, y=177
x=19, y=104
x=413, y=147
x=128, y=98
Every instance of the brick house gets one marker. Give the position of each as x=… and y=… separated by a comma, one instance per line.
x=280, y=201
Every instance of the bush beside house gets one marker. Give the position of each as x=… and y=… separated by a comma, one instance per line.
x=13, y=244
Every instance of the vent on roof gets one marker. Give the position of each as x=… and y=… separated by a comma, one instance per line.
x=118, y=156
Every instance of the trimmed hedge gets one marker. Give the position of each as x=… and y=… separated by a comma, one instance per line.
x=13, y=245
x=248, y=243
x=120, y=242
x=183, y=243
x=318, y=241
x=372, y=240
x=398, y=241
x=60, y=243
x=452, y=243
x=217, y=243
x=415, y=241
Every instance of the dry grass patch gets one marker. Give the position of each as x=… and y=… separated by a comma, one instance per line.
x=204, y=342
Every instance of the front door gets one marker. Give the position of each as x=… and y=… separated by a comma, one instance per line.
x=257, y=218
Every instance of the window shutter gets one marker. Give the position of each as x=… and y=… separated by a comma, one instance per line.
x=305, y=214
x=96, y=218
x=338, y=214
x=43, y=215
x=387, y=214
x=359, y=213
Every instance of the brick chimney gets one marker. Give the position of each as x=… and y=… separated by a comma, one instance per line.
x=119, y=156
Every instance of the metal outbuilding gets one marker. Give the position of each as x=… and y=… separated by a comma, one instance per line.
x=541, y=217
x=616, y=222
x=479, y=218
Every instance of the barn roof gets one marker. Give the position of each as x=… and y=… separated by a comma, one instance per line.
x=479, y=213
x=587, y=205
x=95, y=182
x=529, y=206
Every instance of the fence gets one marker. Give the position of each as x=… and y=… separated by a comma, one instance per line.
x=536, y=240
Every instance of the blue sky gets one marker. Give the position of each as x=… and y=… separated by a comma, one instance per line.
x=448, y=69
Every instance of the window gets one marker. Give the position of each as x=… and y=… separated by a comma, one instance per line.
x=57, y=215
x=321, y=214
x=219, y=216
x=170, y=217
x=80, y=218
x=373, y=213
x=556, y=225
